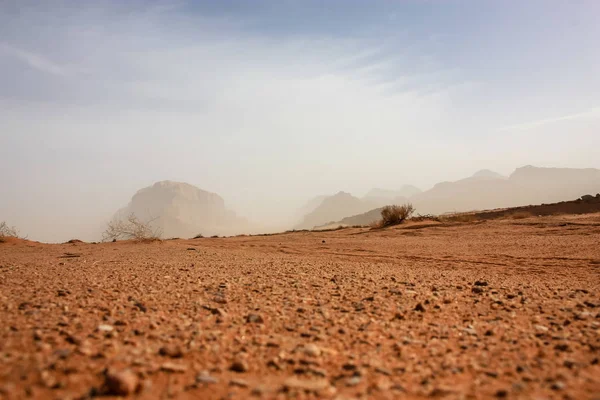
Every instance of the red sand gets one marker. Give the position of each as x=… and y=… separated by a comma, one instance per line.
x=503, y=308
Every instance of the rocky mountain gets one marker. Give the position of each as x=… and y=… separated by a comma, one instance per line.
x=182, y=210
x=486, y=173
x=526, y=185
x=334, y=208
x=363, y=219
x=486, y=190
x=385, y=197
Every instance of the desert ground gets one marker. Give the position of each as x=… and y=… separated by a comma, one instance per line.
x=506, y=308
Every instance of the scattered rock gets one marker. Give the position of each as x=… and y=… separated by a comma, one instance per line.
x=254, y=319
x=238, y=382
x=312, y=350
x=171, y=350
x=121, y=383
x=172, y=367
x=239, y=366
x=105, y=328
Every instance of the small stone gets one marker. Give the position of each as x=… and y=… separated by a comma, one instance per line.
x=254, y=319
x=540, y=328
x=419, y=307
x=349, y=367
x=172, y=367
x=239, y=366
x=239, y=383
x=470, y=331
x=105, y=328
x=353, y=381
x=481, y=283
x=312, y=350
x=476, y=290
x=558, y=385
x=37, y=335
x=501, y=393
x=171, y=350
x=121, y=383
x=582, y=316
x=204, y=377
x=561, y=347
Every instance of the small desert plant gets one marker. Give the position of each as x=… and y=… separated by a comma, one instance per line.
x=521, y=215
x=131, y=228
x=8, y=231
x=394, y=215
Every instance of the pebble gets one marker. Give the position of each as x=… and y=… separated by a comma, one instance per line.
x=353, y=381
x=239, y=383
x=121, y=383
x=204, y=377
x=172, y=367
x=312, y=350
x=239, y=366
x=254, y=319
x=105, y=328
x=171, y=350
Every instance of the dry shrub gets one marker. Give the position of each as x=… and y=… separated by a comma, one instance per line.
x=7, y=231
x=394, y=215
x=521, y=215
x=131, y=228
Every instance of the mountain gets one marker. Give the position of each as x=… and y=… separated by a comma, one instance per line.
x=361, y=219
x=310, y=205
x=385, y=197
x=182, y=210
x=486, y=173
x=526, y=185
x=334, y=208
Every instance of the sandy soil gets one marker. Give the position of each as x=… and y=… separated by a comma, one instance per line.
x=503, y=308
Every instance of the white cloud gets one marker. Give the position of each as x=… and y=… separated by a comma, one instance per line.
x=591, y=113
x=34, y=60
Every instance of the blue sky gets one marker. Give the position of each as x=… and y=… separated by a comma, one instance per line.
x=269, y=103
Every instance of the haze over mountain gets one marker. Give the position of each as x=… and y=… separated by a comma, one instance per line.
x=487, y=190
x=333, y=208
x=526, y=185
x=182, y=210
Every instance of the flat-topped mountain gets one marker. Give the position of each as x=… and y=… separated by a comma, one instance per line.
x=182, y=210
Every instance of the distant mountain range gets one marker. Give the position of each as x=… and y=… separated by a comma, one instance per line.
x=483, y=190
x=183, y=210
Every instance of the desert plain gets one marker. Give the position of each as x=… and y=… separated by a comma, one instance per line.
x=506, y=308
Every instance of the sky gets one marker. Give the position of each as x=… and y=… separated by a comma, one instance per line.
x=270, y=103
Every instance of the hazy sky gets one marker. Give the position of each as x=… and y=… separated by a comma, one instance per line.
x=269, y=103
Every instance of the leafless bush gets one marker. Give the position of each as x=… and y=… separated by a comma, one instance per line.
x=394, y=215
x=131, y=228
x=8, y=231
